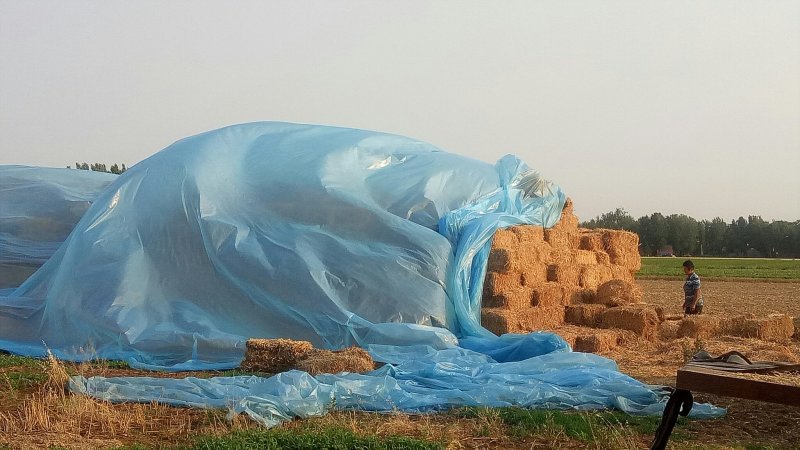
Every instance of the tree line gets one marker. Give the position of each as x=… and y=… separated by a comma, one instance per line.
x=100, y=167
x=686, y=236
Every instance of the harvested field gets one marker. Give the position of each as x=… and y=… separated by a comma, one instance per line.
x=730, y=298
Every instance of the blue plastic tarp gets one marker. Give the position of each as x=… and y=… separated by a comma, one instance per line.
x=337, y=236
x=39, y=207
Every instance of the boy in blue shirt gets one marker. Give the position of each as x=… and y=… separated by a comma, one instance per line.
x=692, y=296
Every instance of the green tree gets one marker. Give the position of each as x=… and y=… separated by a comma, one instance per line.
x=683, y=234
x=618, y=219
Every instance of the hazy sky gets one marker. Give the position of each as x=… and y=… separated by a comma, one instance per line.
x=677, y=107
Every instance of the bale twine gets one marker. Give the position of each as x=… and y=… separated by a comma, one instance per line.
x=668, y=330
x=498, y=283
x=274, y=355
x=564, y=274
x=352, y=359
x=501, y=321
x=529, y=233
x=505, y=238
x=701, y=326
x=547, y=294
x=775, y=327
x=584, y=315
x=618, y=292
x=602, y=258
x=600, y=341
x=642, y=321
x=518, y=298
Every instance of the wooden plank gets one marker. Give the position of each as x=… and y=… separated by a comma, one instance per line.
x=709, y=381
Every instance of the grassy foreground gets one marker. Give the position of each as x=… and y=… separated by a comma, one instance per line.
x=757, y=268
x=36, y=412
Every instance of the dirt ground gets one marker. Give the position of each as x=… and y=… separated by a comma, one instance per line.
x=728, y=297
x=657, y=362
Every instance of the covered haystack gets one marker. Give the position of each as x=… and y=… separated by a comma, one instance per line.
x=352, y=359
x=274, y=355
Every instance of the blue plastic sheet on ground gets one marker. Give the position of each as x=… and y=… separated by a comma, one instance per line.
x=337, y=236
x=419, y=380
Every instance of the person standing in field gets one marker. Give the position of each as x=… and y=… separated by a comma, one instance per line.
x=692, y=296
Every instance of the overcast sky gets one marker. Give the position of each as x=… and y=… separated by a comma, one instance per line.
x=677, y=107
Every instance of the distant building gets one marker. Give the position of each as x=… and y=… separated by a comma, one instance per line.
x=665, y=251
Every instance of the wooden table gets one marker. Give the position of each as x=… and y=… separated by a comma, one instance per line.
x=725, y=380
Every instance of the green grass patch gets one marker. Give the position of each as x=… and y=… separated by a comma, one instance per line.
x=22, y=380
x=783, y=269
x=9, y=360
x=331, y=438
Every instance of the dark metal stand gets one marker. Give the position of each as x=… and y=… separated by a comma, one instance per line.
x=680, y=402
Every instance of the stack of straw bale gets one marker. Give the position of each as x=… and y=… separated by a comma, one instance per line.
x=280, y=355
x=533, y=274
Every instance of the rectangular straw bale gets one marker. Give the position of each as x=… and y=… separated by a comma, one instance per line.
x=623, y=248
x=585, y=258
x=618, y=292
x=559, y=239
x=497, y=283
x=599, y=341
x=621, y=273
x=775, y=327
x=589, y=277
x=529, y=233
x=565, y=274
x=273, y=355
x=642, y=321
x=352, y=359
x=582, y=296
x=591, y=240
x=584, y=315
x=699, y=326
x=505, y=238
x=501, y=321
x=530, y=252
x=668, y=330
x=548, y=294
x=533, y=274
x=518, y=298
x=602, y=258
x=604, y=273
x=501, y=260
